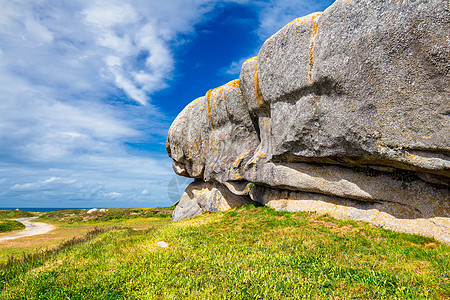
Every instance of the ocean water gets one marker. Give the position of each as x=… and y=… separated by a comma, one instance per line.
x=37, y=209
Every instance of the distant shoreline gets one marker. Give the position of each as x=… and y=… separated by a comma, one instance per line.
x=38, y=209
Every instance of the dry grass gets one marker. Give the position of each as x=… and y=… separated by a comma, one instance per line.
x=64, y=232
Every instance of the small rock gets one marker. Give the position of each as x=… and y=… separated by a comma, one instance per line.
x=162, y=244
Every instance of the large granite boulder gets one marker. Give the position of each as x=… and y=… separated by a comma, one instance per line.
x=349, y=108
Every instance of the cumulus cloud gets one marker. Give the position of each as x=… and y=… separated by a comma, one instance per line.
x=62, y=65
x=87, y=46
x=42, y=184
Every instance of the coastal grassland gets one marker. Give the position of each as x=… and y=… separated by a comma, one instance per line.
x=71, y=216
x=10, y=225
x=15, y=214
x=246, y=253
x=74, y=223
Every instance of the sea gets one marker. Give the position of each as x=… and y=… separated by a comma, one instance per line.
x=38, y=209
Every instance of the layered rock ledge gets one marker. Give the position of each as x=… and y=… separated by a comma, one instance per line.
x=345, y=112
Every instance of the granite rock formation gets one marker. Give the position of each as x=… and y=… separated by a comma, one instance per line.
x=345, y=112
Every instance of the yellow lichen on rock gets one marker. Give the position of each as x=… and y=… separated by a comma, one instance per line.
x=257, y=88
x=239, y=159
x=208, y=100
x=315, y=26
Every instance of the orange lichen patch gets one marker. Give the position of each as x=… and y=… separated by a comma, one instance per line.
x=408, y=136
x=257, y=89
x=266, y=122
x=261, y=154
x=413, y=139
x=315, y=27
x=215, y=97
x=236, y=176
x=237, y=162
x=196, y=146
x=233, y=83
x=208, y=100
x=218, y=94
x=192, y=104
x=305, y=19
x=251, y=59
x=224, y=98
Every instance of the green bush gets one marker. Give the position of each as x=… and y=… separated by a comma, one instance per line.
x=9, y=225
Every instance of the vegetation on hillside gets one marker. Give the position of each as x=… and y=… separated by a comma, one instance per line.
x=66, y=229
x=10, y=225
x=100, y=215
x=245, y=253
x=14, y=214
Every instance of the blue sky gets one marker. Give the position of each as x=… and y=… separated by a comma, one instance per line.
x=88, y=90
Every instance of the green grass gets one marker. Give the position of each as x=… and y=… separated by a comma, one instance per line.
x=14, y=214
x=246, y=253
x=81, y=215
x=70, y=224
x=10, y=225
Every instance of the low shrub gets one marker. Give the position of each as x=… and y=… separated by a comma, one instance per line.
x=10, y=225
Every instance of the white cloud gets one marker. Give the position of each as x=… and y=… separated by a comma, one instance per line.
x=113, y=194
x=107, y=14
x=41, y=184
x=51, y=179
x=40, y=33
x=63, y=137
x=71, y=43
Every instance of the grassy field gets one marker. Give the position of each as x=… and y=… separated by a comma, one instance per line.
x=74, y=223
x=245, y=253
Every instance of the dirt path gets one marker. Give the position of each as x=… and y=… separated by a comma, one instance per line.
x=31, y=229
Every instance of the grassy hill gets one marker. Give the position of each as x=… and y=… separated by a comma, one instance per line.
x=10, y=225
x=245, y=253
x=101, y=215
x=7, y=225
x=14, y=214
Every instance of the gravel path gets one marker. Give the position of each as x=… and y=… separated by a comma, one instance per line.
x=31, y=229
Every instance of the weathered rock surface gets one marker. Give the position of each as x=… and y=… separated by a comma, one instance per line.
x=202, y=196
x=347, y=110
